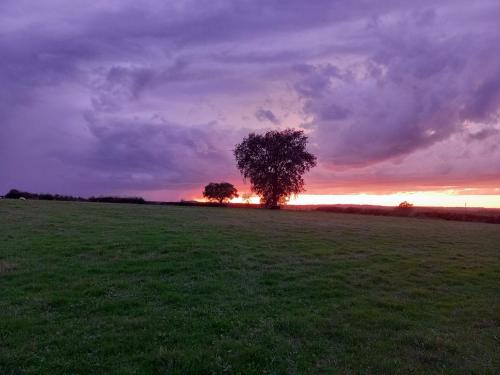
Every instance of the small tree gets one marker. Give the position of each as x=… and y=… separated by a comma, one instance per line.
x=274, y=163
x=405, y=205
x=220, y=192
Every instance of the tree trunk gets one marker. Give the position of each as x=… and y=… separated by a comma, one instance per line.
x=273, y=202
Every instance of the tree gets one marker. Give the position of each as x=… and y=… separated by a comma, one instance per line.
x=220, y=192
x=405, y=205
x=274, y=163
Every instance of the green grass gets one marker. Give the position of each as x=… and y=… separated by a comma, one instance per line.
x=89, y=288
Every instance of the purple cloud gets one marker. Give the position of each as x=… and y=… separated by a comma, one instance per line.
x=267, y=115
x=418, y=84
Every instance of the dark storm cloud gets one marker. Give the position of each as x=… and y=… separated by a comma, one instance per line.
x=106, y=96
x=417, y=85
x=145, y=154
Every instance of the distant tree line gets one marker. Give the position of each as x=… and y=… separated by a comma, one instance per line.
x=17, y=194
x=482, y=216
x=136, y=200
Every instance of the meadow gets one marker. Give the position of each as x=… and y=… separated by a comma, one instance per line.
x=97, y=288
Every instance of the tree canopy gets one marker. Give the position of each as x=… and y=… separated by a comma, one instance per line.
x=274, y=163
x=220, y=192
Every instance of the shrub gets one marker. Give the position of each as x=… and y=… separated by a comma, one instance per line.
x=405, y=205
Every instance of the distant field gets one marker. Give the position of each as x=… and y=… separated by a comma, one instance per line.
x=94, y=288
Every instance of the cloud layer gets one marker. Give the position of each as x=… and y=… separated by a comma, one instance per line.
x=150, y=98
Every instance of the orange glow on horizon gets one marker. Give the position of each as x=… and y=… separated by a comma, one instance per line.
x=429, y=199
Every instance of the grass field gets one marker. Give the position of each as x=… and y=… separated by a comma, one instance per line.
x=90, y=288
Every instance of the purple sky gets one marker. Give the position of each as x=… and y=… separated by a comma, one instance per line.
x=149, y=97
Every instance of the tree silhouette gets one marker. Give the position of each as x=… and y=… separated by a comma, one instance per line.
x=274, y=163
x=220, y=192
x=405, y=205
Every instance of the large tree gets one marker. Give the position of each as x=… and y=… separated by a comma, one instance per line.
x=274, y=163
x=220, y=192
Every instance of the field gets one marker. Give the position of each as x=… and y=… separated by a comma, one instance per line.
x=95, y=288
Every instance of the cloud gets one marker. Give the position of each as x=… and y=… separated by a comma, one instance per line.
x=266, y=115
x=417, y=85
x=152, y=153
x=483, y=134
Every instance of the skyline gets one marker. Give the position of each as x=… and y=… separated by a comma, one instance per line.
x=150, y=99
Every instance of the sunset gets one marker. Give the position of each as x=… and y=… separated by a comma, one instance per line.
x=249, y=187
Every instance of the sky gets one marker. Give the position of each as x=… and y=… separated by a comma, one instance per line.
x=150, y=97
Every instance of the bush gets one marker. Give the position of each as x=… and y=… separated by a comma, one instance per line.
x=16, y=194
x=135, y=200
x=405, y=205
